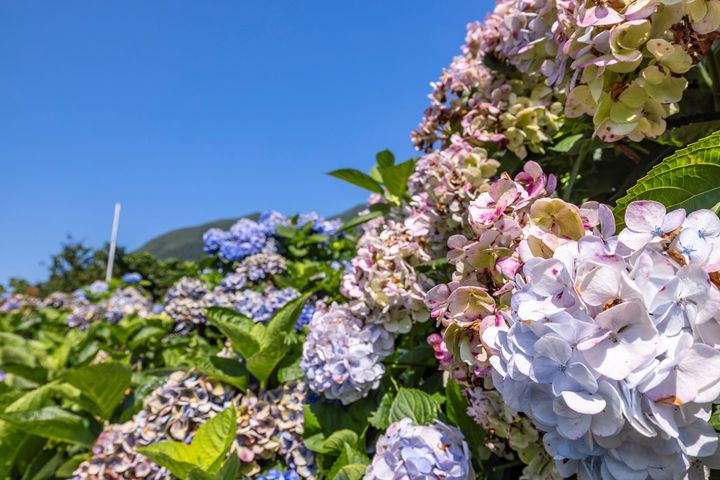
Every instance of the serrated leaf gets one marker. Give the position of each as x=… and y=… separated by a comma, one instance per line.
x=104, y=384
x=351, y=472
x=357, y=178
x=415, y=404
x=687, y=179
x=348, y=456
x=242, y=331
x=380, y=418
x=686, y=134
x=53, y=423
x=206, y=451
x=335, y=442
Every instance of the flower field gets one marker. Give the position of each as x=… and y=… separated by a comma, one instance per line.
x=535, y=296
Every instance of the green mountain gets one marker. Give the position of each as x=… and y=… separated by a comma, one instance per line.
x=186, y=243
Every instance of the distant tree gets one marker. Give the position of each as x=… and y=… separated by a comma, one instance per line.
x=78, y=265
x=19, y=285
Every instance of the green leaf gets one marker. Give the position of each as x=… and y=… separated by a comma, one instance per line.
x=229, y=471
x=385, y=158
x=380, y=418
x=104, y=384
x=290, y=372
x=357, y=178
x=348, y=456
x=333, y=444
x=687, y=179
x=273, y=348
x=415, y=404
x=359, y=220
x=224, y=369
x=238, y=328
x=283, y=322
x=325, y=418
x=53, y=423
x=686, y=134
x=395, y=177
x=351, y=472
x=207, y=450
x=567, y=144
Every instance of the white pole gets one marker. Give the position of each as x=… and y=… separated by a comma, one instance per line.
x=113, y=243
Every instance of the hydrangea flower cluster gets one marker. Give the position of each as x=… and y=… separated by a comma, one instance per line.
x=17, y=302
x=127, y=301
x=511, y=221
x=342, y=357
x=258, y=305
x=248, y=237
x=268, y=425
x=612, y=346
x=443, y=185
x=185, y=303
x=83, y=313
x=505, y=111
x=258, y=267
x=622, y=63
x=421, y=452
x=383, y=285
x=172, y=412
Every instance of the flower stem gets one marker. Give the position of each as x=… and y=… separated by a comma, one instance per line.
x=576, y=169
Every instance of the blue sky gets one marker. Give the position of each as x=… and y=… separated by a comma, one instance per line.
x=188, y=111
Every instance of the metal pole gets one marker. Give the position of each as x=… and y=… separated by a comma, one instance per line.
x=113, y=243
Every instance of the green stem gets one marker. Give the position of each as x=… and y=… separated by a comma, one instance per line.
x=575, y=170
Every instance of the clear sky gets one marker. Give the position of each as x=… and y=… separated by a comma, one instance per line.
x=187, y=111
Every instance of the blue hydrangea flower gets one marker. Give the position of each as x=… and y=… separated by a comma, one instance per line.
x=132, y=277
x=270, y=220
x=342, y=356
x=261, y=306
x=212, y=240
x=421, y=453
x=319, y=223
x=244, y=238
x=278, y=475
x=305, y=316
x=98, y=287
